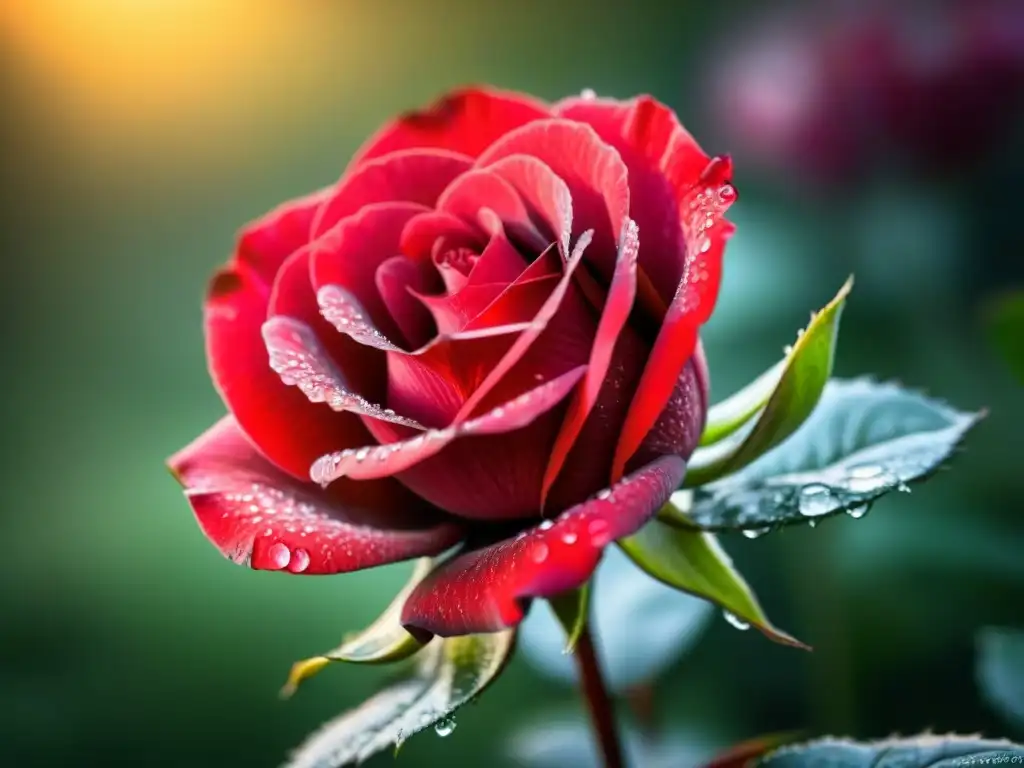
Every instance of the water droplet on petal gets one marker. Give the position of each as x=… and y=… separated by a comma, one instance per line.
x=539, y=552
x=598, y=531
x=445, y=727
x=735, y=620
x=605, y=494
x=278, y=556
x=299, y=561
x=588, y=94
x=546, y=525
x=569, y=537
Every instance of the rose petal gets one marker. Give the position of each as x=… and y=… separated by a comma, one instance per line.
x=259, y=516
x=544, y=192
x=398, y=280
x=385, y=460
x=423, y=233
x=482, y=189
x=614, y=317
x=467, y=121
x=592, y=170
x=525, y=341
x=678, y=428
x=677, y=338
x=298, y=357
x=664, y=163
x=350, y=254
x=413, y=176
x=489, y=589
x=289, y=431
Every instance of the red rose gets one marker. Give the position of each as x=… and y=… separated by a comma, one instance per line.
x=486, y=333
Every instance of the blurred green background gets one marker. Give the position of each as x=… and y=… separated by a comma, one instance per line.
x=138, y=136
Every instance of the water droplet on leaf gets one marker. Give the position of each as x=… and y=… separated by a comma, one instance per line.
x=445, y=727
x=816, y=499
x=735, y=620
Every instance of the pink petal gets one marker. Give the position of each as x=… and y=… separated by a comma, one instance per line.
x=489, y=589
x=593, y=171
x=279, y=420
x=259, y=516
x=413, y=176
x=677, y=338
x=386, y=460
x=298, y=357
x=466, y=121
x=398, y=279
x=614, y=317
x=350, y=254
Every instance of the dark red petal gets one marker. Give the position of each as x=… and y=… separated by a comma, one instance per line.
x=413, y=176
x=488, y=589
x=593, y=171
x=524, y=342
x=398, y=280
x=451, y=313
x=614, y=317
x=349, y=255
x=386, y=460
x=261, y=517
x=265, y=243
x=678, y=428
x=499, y=262
x=467, y=121
x=298, y=357
x=546, y=194
x=677, y=338
x=279, y=420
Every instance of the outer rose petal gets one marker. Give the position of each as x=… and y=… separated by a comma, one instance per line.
x=278, y=419
x=414, y=176
x=257, y=515
x=467, y=121
x=488, y=589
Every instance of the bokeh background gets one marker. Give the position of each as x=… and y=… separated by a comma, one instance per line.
x=138, y=135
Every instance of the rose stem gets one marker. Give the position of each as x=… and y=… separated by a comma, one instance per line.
x=595, y=692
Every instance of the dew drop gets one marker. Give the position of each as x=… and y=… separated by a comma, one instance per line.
x=726, y=194
x=598, y=531
x=605, y=494
x=278, y=556
x=445, y=727
x=735, y=620
x=539, y=552
x=753, y=533
x=588, y=93
x=546, y=525
x=569, y=537
x=858, y=512
x=902, y=487
x=299, y=561
x=815, y=499
x=362, y=453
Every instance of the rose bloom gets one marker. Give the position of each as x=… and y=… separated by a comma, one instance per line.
x=483, y=339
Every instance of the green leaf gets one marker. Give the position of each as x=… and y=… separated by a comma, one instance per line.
x=1001, y=671
x=692, y=561
x=449, y=673
x=920, y=752
x=383, y=642
x=572, y=609
x=1005, y=320
x=784, y=396
x=863, y=441
x=743, y=754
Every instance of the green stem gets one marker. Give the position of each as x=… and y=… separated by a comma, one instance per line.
x=599, y=703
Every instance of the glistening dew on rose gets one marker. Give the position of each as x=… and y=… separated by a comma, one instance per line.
x=480, y=348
